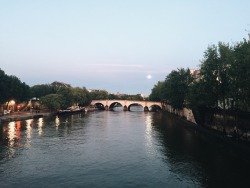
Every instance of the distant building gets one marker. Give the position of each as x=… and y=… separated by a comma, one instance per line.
x=144, y=96
x=196, y=74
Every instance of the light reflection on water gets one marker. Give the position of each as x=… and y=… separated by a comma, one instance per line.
x=115, y=149
x=28, y=132
x=40, y=126
x=148, y=135
x=11, y=139
x=57, y=122
x=11, y=134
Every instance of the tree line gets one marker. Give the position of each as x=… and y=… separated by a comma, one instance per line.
x=54, y=96
x=12, y=88
x=223, y=81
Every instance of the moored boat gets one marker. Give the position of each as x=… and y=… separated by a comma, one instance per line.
x=71, y=110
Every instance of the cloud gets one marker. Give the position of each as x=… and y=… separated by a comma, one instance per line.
x=115, y=65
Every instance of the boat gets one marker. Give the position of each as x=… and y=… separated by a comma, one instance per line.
x=71, y=110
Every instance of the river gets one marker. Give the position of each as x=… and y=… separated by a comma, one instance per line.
x=116, y=149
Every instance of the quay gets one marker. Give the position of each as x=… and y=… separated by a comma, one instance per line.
x=16, y=116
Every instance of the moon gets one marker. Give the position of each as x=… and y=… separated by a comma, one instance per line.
x=149, y=76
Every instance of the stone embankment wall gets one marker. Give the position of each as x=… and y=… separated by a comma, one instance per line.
x=184, y=113
x=227, y=123
x=230, y=124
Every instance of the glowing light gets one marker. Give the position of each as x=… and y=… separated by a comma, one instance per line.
x=149, y=76
x=12, y=102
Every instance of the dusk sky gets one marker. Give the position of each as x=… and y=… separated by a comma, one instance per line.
x=124, y=46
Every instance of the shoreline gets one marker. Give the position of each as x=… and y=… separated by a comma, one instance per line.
x=242, y=145
x=18, y=116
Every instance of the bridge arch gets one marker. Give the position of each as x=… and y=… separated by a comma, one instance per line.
x=155, y=108
x=115, y=105
x=100, y=106
x=135, y=105
x=126, y=104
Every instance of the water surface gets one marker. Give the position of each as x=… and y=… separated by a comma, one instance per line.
x=116, y=149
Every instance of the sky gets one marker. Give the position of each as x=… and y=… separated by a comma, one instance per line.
x=123, y=46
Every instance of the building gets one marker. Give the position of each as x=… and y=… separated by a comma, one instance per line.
x=196, y=74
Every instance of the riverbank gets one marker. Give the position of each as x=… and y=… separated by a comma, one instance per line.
x=17, y=116
x=220, y=137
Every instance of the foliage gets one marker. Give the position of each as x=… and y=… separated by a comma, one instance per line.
x=215, y=87
x=81, y=96
x=176, y=87
x=112, y=96
x=12, y=88
x=157, y=92
x=41, y=90
x=240, y=72
x=99, y=95
x=67, y=97
x=51, y=101
x=136, y=97
x=223, y=82
x=174, y=90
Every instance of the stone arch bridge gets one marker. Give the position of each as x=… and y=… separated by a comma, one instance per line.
x=126, y=104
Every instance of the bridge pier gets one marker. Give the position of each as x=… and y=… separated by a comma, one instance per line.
x=106, y=108
x=125, y=108
x=146, y=109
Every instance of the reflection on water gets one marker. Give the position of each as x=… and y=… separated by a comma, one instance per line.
x=28, y=132
x=18, y=129
x=116, y=149
x=57, y=122
x=136, y=108
x=40, y=126
x=118, y=108
x=11, y=139
x=13, y=136
x=148, y=135
x=132, y=108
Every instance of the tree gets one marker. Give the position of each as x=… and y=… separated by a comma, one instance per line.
x=41, y=90
x=176, y=87
x=225, y=61
x=157, y=92
x=214, y=88
x=3, y=87
x=12, y=88
x=209, y=73
x=240, y=72
x=81, y=96
x=51, y=101
x=112, y=96
x=67, y=97
x=99, y=95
